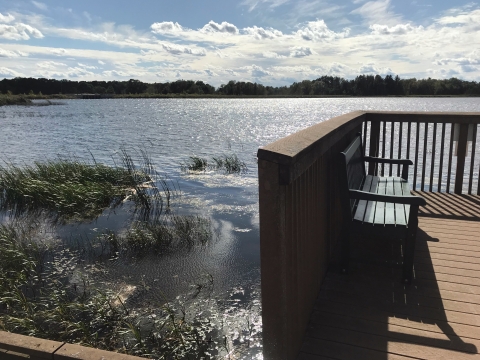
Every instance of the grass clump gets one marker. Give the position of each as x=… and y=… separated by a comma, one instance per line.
x=71, y=189
x=229, y=164
x=195, y=163
x=14, y=100
x=38, y=297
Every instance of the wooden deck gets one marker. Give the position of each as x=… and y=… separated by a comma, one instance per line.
x=369, y=314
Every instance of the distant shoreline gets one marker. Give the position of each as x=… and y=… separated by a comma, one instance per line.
x=26, y=100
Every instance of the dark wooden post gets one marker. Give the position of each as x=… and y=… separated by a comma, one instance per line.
x=461, y=154
x=374, y=144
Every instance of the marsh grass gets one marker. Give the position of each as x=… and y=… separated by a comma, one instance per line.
x=14, y=100
x=38, y=298
x=229, y=164
x=195, y=163
x=70, y=189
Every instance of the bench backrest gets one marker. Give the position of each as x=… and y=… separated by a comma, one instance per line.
x=351, y=169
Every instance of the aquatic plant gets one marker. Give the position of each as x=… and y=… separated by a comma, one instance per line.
x=230, y=164
x=14, y=100
x=195, y=163
x=38, y=297
x=75, y=190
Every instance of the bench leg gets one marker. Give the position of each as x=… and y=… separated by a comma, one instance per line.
x=410, y=241
x=345, y=248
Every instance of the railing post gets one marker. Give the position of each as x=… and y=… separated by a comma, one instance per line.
x=461, y=154
x=374, y=144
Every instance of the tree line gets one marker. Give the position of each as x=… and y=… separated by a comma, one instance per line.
x=363, y=85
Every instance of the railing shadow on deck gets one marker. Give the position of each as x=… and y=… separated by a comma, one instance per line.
x=369, y=314
x=300, y=219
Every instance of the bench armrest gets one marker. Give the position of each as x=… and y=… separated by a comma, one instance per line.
x=404, y=162
x=387, y=161
x=408, y=199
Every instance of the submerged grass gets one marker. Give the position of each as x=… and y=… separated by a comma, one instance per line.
x=37, y=298
x=75, y=190
x=229, y=164
x=14, y=100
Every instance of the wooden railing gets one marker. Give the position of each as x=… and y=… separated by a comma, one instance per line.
x=300, y=218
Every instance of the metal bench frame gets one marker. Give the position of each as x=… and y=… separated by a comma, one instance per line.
x=377, y=206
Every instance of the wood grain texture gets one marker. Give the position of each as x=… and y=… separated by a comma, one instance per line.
x=369, y=313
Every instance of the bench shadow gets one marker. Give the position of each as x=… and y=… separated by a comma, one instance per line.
x=373, y=315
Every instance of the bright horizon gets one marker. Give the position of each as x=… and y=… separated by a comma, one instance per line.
x=273, y=42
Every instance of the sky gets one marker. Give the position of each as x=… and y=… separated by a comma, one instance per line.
x=273, y=42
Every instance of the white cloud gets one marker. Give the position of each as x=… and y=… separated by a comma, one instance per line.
x=11, y=53
x=272, y=55
x=459, y=61
x=256, y=71
x=40, y=5
x=7, y=72
x=6, y=18
x=59, y=52
x=166, y=28
x=210, y=72
x=318, y=30
x=101, y=62
x=178, y=49
x=253, y=4
x=373, y=69
x=224, y=27
x=84, y=66
x=378, y=11
x=300, y=51
x=261, y=33
x=149, y=52
x=50, y=65
x=19, y=31
x=399, y=29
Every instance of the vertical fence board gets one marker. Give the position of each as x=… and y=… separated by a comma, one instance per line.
x=461, y=154
x=440, y=166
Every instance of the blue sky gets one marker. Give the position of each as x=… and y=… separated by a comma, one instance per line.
x=274, y=42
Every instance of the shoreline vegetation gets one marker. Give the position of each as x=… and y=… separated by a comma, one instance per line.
x=23, y=90
x=52, y=288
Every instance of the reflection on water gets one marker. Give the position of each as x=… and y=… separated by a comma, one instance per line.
x=171, y=130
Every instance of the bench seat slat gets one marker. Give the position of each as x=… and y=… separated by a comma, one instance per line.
x=406, y=191
x=399, y=208
x=362, y=204
x=389, y=207
x=380, y=206
x=370, y=207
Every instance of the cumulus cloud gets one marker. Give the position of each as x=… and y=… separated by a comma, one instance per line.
x=301, y=51
x=6, y=18
x=166, y=28
x=371, y=68
x=178, y=49
x=224, y=27
x=272, y=55
x=210, y=72
x=462, y=18
x=459, y=61
x=115, y=73
x=7, y=72
x=399, y=29
x=11, y=53
x=101, y=62
x=50, y=65
x=256, y=71
x=84, y=66
x=261, y=33
x=59, y=52
x=19, y=31
x=318, y=30
x=148, y=52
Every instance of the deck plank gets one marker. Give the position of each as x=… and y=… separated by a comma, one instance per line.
x=370, y=314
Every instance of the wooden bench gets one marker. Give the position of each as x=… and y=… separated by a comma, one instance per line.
x=377, y=206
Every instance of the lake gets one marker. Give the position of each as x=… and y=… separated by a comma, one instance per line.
x=171, y=130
